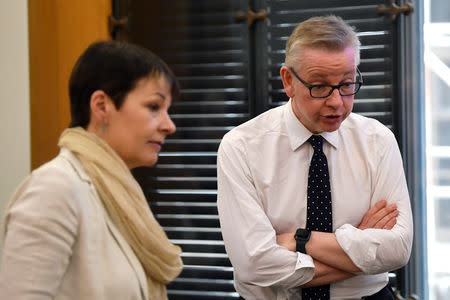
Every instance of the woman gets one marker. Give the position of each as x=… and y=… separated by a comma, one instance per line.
x=79, y=227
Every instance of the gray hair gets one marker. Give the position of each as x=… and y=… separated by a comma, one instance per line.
x=326, y=32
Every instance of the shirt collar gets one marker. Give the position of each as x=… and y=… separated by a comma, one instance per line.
x=298, y=134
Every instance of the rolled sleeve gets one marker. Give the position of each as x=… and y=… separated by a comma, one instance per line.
x=250, y=239
x=379, y=250
x=360, y=246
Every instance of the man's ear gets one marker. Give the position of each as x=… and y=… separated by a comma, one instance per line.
x=286, y=78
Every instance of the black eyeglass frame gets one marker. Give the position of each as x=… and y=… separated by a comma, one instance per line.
x=358, y=85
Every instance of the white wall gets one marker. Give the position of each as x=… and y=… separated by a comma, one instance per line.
x=14, y=97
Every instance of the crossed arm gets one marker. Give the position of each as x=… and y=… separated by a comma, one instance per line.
x=262, y=259
x=331, y=262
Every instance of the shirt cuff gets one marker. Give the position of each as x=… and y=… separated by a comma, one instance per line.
x=360, y=246
x=306, y=264
x=304, y=261
x=303, y=273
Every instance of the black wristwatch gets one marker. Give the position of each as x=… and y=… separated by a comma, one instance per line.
x=302, y=237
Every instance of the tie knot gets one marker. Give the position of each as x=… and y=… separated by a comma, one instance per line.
x=316, y=142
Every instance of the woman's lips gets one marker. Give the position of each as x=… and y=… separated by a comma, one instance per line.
x=156, y=145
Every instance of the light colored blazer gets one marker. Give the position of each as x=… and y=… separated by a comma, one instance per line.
x=61, y=244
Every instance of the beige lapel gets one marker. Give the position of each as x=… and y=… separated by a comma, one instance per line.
x=129, y=254
x=118, y=237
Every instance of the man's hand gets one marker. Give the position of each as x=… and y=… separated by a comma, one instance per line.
x=287, y=240
x=381, y=216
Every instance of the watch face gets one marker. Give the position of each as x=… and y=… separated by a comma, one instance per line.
x=302, y=233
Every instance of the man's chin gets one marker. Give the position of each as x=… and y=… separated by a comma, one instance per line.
x=331, y=125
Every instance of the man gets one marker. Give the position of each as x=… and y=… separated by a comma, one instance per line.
x=285, y=238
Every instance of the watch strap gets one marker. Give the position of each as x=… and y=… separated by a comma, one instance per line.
x=301, y=238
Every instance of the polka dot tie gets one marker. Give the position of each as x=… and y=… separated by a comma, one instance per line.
x=319, y=216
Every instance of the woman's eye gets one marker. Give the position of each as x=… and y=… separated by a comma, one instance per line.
x=153, y=107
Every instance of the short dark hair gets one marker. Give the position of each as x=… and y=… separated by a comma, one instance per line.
x=115, y=68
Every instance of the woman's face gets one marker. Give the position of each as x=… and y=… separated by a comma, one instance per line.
x=138, y=129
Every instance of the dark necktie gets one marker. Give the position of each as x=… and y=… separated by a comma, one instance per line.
x=319, y=217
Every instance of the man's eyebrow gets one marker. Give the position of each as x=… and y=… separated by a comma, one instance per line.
x=322, y=76
x=318, y=76
x=350, y=72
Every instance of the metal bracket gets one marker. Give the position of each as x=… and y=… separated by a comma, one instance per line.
x=115, y=24
x=251, y=16
x=394, y=10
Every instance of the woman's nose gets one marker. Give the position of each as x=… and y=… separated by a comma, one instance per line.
x=167, y=125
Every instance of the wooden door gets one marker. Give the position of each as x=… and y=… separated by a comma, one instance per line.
x=59, y=31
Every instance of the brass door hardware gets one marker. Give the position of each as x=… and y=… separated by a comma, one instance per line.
x=394, y=10
x=116, y=24
x=251, y=16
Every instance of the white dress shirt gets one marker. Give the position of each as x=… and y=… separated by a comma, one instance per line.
x=262, y=170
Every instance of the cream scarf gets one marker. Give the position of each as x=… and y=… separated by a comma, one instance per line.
x=126, y=205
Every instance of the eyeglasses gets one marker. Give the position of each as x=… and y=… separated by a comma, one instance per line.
x=325, y=90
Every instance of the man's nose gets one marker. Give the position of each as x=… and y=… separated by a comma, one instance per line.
x=335, y=99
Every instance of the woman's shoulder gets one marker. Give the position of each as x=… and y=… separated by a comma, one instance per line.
x=55, y=187
x=65, y=169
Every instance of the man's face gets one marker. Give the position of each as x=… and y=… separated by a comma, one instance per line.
x=315, y=67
